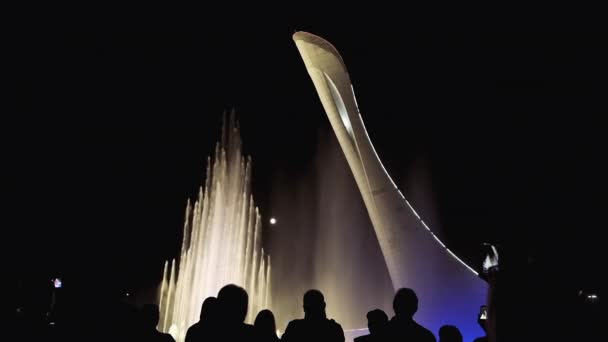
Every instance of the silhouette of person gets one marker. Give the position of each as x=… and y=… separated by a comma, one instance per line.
x=377, y=323
x=266, y=327
x=201, y=330
x=449, y=333
x=402, y=326
x=482, y=324
x=315, y=326
x=232, y=303
x=149, y=316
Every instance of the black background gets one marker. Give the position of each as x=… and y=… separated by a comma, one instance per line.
x=113, y=122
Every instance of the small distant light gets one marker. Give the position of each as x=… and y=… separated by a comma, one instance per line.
x=127, y=294
x=592, y=296
x=273, y=220
x=51, y=323
x=57, y=283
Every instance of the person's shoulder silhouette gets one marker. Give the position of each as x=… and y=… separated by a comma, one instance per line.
x=482, y=323
x=402, y=326
x=367, y=338
x=149, y=316
x=315, y=326
x=203, y=330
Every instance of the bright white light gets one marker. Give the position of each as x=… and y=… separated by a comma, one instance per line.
x=462, y=262
x=273, y=220
x=436, y=238
x=412, y=209
x=592, y=296
x=127, y=294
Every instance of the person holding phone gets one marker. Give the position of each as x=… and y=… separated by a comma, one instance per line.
x=487, y=313
x=481, y=319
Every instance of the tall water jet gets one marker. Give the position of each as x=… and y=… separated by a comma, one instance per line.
x=221, y=241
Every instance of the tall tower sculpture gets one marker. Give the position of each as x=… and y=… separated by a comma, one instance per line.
x=450, y=292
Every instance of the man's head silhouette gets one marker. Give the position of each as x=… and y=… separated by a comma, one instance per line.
x=405, y=303
x=449, y=333
x=233, y=301
x=265, y=323
x=314, y=304
x=376, y=321
x=209, y=308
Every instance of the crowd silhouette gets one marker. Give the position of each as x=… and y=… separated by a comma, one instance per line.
x=222, y=318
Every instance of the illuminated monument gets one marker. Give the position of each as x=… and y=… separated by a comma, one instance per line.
x=450, y=292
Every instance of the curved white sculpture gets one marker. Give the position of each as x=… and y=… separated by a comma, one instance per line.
x=450, y=292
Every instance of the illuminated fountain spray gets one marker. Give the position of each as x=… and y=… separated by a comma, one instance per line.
x=221, y=243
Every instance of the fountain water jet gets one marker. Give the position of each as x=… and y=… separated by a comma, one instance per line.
x=221, y=242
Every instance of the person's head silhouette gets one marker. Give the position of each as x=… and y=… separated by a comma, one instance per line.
x=209, y=308
x=314, y=304
x=405, y=303
x=233, y=301
x=449, y=333
x=376, y=321
x=149, y=315
x=264, y=322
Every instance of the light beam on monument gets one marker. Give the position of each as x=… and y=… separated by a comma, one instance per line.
x=449, y=290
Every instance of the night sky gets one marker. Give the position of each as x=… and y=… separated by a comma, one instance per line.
x=113, y=124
